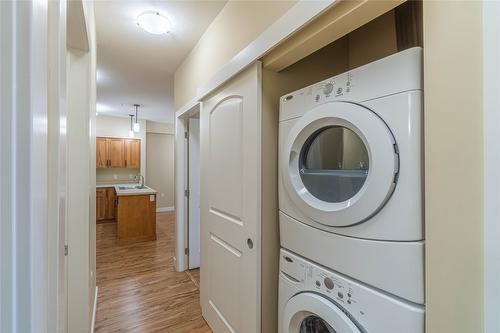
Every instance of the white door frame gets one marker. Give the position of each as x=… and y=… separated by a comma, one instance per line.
x=491, y=121
x=24, y=223
x=57, y=176
x=81, y=95
x=181, y=185
x=194, y=179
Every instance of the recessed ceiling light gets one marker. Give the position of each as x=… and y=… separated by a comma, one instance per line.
x=153, y=22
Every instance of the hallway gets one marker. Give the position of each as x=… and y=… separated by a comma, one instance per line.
x=139, y=289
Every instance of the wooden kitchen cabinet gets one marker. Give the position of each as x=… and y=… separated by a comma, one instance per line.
x=101, y=150
x=136, y=218
x=118, y=153
x=105, y=204
x=132, y=153
x=110, y=203
x=101, y=204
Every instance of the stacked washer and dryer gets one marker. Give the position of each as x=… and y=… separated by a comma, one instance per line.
x=351, y=201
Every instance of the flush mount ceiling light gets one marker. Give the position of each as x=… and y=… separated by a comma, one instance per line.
x=153, y=22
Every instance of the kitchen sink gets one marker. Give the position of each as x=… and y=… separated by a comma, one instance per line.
x=132, y=187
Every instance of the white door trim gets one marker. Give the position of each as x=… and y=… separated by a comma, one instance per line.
x=193, y=224
x=57, y=180
x=180, y=199
x=23, y=166
x=491, y=119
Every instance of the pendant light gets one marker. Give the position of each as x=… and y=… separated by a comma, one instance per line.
x=131, y=131
x=137, y=126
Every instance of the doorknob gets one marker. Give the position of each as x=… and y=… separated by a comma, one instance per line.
x=250, y=243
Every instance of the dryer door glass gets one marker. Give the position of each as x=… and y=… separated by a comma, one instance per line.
x=334, y=164
x=314, y=324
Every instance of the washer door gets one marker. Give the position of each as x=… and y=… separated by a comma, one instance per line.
x=312, y=313
x=339, y=164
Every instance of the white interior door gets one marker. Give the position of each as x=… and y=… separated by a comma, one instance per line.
x=194, y=193
x=230, y=205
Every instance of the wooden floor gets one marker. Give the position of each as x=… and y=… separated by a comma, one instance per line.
x=139, y=289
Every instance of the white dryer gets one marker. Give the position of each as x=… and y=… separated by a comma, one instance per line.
x=315, y=300
x=350, y=164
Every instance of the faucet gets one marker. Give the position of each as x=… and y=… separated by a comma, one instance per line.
x=141, y=179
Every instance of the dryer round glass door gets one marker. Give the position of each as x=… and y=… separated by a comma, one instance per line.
x=333, y=164
x=312, y=313
x=339, y=164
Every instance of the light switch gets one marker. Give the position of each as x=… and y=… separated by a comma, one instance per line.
x=152, y=197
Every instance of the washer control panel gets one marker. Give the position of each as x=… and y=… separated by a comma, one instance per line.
x=311, y=276
x=363, y=303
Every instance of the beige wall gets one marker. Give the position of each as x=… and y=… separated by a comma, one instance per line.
x=453, y=166
x=155, y=127
x=237, y=25
x=160, y=167
x=119, y=127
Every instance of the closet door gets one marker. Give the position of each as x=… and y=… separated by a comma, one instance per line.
x=230, y=204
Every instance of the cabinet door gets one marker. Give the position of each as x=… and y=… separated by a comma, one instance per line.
x=116, y=153
x=132, y=153
x=101, y=159
x=101, y=203
x=110, y=203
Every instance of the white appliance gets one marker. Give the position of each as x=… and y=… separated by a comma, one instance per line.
x=350, y=164
x=315, y=300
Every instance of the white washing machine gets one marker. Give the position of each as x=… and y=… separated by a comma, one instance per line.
x=350, y=164
x=315, y=300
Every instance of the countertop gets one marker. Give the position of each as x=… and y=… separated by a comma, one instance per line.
x=132, y=191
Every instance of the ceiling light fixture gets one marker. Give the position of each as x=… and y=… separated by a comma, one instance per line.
x=137, y=126
x=131, y=131
x=153, y=22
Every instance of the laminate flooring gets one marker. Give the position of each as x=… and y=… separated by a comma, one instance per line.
x=139, y=289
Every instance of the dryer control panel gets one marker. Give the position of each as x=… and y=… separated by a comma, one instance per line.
x=338, y=87
x=364, y=304
x=394, y=74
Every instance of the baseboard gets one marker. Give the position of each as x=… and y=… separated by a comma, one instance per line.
x=165, y=209
x=94, y=310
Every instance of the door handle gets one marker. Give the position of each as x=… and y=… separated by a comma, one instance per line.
x=250, y=243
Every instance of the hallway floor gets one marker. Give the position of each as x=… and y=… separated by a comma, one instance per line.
x=139, y=289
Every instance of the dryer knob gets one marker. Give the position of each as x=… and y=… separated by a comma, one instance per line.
x=328, y=283
x=327, y=90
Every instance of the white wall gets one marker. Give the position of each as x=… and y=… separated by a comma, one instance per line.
x=109, y=126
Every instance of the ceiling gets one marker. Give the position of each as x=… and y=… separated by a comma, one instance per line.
x=134, y=66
